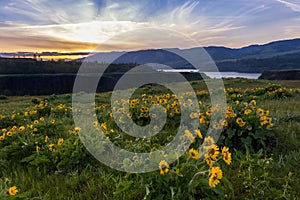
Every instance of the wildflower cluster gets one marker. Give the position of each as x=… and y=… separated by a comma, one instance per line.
x=9, y=191
x=244, y=124
x=212, y=156
x=38, y=136
x=43, y=135
x=271, y=91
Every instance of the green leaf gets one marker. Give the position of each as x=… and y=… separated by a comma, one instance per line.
x=259, y=135
x=29, y=158
x=202, y=182
x=240, y=133
x=247, y=141
x=227, y=184
x=218, y=190
x=123, y=186
x=40, y=160
x=230, y=133
x=178, y=173
x=19, y=196
x=228, y=142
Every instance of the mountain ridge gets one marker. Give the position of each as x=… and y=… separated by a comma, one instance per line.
x=253, y=58
x=256, y=58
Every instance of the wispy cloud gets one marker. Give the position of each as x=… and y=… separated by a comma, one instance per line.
x=48, y=12
x=293, y=6
x=62, y=23
x=21, y=42
x=194, y=21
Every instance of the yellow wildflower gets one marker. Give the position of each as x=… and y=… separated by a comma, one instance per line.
x=240, y=122
x=95, y=123
x=260, y=111
x=208, y=143
x=104, y=127
x=71, y=132
x=194, y=153
x=208, y=112
x=224, y=123
x=60, y=141
x=51, y=147
x=213, y=152
x=208, y=160
x=2, y=137
x=76, y=130
x=12, y=191
x=253, y=102
x=198, y=132
x=193, y=115
x=232, y=115
x=247, y=111
x=21, y=128
x=226, y=155
x=217, y=126
x=215, y=176
x=190, y=136
x=164, y=167
x=202, y=120
x=267, y=112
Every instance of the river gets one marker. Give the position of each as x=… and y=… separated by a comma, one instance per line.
x=232, y=75
x=218, y=74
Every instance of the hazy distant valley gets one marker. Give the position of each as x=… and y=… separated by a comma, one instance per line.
x=48, y=77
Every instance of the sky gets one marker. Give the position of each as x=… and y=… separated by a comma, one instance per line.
x=117, y=25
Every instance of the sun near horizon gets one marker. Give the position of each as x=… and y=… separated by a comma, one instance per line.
x=68, y=27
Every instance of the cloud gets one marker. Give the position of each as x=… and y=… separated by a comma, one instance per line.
x=75, y=23
x=44, y=12
x=93, y=31
x=200, y=20
x=24, y=42
x=293, y=6
x=182, y=12
x=82, y=21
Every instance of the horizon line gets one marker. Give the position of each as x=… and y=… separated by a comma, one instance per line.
x=83, y=53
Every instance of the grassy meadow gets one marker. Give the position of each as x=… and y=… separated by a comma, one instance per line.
x=256, y=157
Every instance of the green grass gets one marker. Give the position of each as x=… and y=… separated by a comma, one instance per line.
x=271, y=174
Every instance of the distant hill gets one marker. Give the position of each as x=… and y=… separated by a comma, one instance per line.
x=283, y=54
x=31, y=66
x=32, y=77
x=255, y=51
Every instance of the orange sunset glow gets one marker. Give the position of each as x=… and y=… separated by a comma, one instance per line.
x=42, y=26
